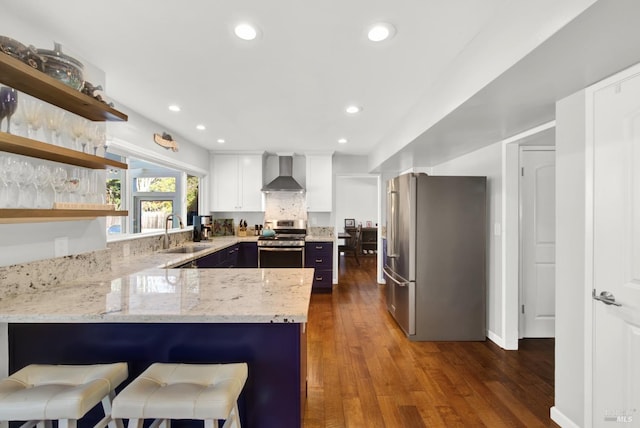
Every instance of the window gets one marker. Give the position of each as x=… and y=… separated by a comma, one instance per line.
x=150, y=192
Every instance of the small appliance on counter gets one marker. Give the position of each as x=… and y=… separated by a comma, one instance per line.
x=201, y=227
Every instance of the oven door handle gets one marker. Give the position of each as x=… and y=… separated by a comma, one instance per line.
x=280, y=248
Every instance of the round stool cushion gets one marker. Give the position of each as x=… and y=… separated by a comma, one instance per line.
x=182, y=391
x=57, y=391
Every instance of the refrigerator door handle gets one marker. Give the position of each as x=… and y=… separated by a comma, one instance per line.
x=392, y=233
x=390, y=276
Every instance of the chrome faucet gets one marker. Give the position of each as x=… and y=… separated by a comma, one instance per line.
x=165, y=241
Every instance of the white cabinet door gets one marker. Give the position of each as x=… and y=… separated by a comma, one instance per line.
x=250, y=168
x=236, y=182
x=319, y=184
x=225, y=176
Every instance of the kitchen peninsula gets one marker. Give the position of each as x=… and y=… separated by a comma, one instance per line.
x=176, y=315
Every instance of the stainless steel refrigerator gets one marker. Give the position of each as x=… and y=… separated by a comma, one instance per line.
x=435, y=261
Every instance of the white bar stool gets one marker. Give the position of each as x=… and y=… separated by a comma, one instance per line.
x=164, y=391
x=41, y=393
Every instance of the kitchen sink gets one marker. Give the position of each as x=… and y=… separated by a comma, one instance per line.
x=188, y=249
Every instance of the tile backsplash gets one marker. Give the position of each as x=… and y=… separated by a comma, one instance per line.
x=285, y=206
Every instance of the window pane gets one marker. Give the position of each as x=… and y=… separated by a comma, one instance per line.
x=192, y=198
x=153, y=214
x=155, y=184
x=114, y=178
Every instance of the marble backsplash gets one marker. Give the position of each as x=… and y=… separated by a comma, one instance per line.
x=321, y=231
x=285, y=206
x=42, y=274
x=147, y=244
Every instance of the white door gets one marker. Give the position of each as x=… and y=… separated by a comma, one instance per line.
x=537, y=242
x=616, y=255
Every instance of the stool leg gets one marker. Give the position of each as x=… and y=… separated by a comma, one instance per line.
x=106, y=406
x=210, y=423
x=135, y=423
x=67, y=423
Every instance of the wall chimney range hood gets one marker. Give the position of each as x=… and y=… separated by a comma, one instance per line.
x=284, y=182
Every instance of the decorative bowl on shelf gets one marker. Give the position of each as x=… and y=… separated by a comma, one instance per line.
x=63, y=67
x=28, y=55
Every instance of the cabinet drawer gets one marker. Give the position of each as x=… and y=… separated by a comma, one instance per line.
x=322, y=280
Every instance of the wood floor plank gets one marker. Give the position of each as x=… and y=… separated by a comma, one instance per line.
x=364, y=372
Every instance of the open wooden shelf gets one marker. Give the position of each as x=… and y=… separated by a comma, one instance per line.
x=23, y=215
x=37, y=149
x=22, y=77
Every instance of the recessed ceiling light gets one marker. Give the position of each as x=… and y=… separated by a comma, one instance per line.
x=201, y=127
x=353, y=109
x=381, y=31
x=221, y=140
x=174, y=107
x=246, y=31
x=342, y=141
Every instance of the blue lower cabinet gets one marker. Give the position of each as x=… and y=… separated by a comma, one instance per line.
x=248, y=255
x=319, y=255
x=273, y=396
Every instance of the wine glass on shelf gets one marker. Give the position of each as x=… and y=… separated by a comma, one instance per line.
x=4, y=185
x=8, y=104
x=99, y=139
x=77, y=129
x=54, y=122
x=59, y=182
x=32, y=110
x=9, y=166
x=45, y=194
x=73, y=184
x=28, y=190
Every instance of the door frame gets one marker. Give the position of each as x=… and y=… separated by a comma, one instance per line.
x=523, y=148
x=337, y=226
x=588, y=301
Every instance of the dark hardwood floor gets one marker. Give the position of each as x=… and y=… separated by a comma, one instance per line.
x=363, y=372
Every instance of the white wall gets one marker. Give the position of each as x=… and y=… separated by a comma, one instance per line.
x=570, y=259
x=486, y=162
x=357, y=198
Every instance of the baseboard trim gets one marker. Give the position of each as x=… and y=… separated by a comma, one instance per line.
x=495, y=338
x=558, y=417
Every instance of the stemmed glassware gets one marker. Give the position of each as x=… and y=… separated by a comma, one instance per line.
x=54, y=121
x=59, y=182
x=73, y=184
x=9, y=166
x=8, y=105
x=45, y=193
x=77, y=129
x=4, y=185
x=32, y=110
x=28, y=190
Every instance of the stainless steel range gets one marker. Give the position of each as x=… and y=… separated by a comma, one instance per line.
x=285, y=248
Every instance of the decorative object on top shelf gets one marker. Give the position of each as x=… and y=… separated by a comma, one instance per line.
x=28, y=55
x=369, y=223
x=349, y=222
x=89, y=89
x=8, y=105
x=165, y=140
x=62, y=67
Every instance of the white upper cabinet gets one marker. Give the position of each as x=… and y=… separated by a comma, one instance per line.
x=319, y=186
x=236, y=182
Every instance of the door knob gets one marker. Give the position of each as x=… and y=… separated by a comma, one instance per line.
x=605, y=297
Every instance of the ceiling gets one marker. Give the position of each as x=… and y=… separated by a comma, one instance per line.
x=287, y=90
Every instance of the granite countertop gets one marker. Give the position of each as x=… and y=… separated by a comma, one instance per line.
x=320, y=238
x=173, y=295
x=148, y=288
